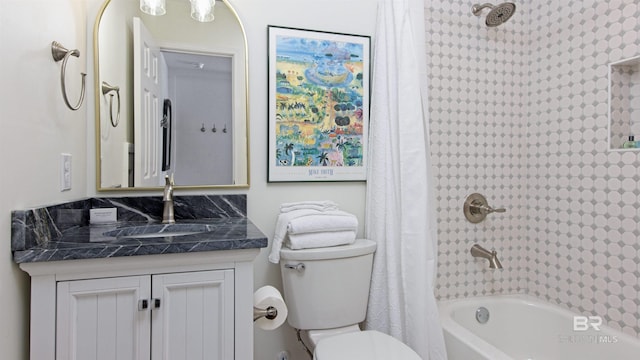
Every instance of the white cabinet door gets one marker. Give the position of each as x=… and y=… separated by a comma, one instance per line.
x=195, y=317
x=99, y=319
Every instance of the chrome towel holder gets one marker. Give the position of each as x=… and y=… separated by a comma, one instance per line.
x=106, y=89
x=59, y=52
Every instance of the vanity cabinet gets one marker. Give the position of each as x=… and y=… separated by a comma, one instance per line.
x=192, y=315
x=173, y=306
x=99, y=316
x=163, y=316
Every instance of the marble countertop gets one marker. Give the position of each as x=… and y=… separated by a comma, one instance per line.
x=90, y=242
x=63, y=231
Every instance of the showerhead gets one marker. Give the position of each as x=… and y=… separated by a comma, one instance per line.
x=498, y=14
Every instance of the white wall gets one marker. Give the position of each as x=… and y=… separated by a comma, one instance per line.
x=36, y=128
x=116, y=42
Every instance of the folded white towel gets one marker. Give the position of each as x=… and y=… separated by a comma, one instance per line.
x=319, y=221
x=320, y=239
x=281, y=230
x=325, y=205
x=326, y=221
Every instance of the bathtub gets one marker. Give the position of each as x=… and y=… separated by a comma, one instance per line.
x=523, y=327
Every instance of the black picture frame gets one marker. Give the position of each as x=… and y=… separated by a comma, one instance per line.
x=319, y=91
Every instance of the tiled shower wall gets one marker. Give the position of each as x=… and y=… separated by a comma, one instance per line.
x=478, y=80
x=583, y=238
x=519, y=113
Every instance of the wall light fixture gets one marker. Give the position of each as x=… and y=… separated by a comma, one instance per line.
x=201, y=10
x=153, y=7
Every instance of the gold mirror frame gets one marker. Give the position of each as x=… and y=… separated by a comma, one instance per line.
x=97, y=113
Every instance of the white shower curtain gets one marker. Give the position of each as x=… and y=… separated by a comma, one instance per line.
x=400, y=214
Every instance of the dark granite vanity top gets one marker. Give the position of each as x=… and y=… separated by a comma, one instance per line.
x=62, y=232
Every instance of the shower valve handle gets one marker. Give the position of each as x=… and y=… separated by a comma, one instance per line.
x=476, y=208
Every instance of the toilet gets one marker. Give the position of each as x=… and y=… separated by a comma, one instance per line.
x=326, y=291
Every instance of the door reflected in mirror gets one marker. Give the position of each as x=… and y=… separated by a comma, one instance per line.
x=183, y=93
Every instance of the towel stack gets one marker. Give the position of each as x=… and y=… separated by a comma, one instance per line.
x=312, y=224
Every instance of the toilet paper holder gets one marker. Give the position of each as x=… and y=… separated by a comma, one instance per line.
x=269, y=313
x=269, y=308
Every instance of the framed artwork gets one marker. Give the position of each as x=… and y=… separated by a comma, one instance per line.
x=318, y=105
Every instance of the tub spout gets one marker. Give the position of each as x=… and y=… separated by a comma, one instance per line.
x=492, y=256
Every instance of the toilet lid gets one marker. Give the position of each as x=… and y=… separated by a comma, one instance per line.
x=363, y=345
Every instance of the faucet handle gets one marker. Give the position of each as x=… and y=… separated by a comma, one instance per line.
x=168, y=188
x=168, y=181
x=489, y=209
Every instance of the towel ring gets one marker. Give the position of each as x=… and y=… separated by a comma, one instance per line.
x=106, y=89
x=59, y=52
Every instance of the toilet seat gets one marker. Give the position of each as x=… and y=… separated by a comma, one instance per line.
x=363, y=345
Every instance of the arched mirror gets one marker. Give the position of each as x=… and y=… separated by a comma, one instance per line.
x=171, y=97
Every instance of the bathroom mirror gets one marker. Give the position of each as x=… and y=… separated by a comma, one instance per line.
x=171, y=97
x=624, y=104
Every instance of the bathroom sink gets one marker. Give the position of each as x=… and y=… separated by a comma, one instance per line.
x=159, y=230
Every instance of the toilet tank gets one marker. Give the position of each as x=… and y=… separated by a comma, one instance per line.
x=333, y=289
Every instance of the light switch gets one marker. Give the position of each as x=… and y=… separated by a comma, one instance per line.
x=65, y=172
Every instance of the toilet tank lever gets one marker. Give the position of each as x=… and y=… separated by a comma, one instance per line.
x=299, y=267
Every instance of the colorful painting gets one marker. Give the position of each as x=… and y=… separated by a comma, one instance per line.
x=318, y=105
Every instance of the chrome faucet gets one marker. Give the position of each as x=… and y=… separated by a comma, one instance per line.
x=492, y=256
x=167, y=200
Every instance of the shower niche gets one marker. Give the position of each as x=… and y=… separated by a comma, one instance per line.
x=624, y=104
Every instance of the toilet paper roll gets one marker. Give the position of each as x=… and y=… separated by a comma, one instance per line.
x=269, y=296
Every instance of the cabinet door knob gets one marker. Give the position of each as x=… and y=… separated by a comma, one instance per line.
x=143, y=304
x=156, y=303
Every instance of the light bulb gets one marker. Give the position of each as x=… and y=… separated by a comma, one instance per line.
x=202, y=10
x=153, y=7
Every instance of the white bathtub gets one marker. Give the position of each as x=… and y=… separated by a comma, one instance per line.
x=523, y=327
